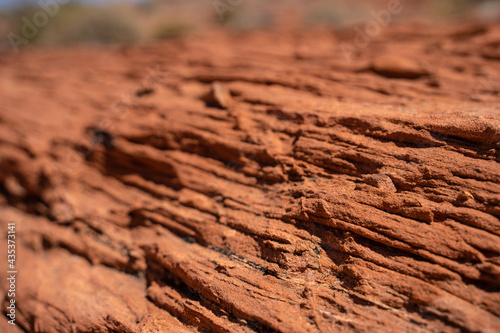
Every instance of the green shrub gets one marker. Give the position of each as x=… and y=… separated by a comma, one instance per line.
x=76, y=24
x=172, y=30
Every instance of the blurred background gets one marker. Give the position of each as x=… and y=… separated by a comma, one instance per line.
x=112, y=21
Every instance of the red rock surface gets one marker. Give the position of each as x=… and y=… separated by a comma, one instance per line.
x=255, y=182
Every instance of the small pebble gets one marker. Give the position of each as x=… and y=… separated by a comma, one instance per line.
x=218, y=96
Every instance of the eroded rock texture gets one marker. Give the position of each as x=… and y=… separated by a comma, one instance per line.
x=256, y=183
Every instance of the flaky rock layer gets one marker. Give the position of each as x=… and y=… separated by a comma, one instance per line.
x=244, y=183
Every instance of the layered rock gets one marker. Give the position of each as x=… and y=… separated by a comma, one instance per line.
x=226, y=184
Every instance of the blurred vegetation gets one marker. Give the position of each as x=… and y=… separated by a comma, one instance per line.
x=172, y=30
x=126, y=21
x=77, y=23
x=95, y=23
x=326, y=13
x=452, y=8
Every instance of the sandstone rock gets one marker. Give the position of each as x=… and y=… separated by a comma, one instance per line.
x=398, y=67
x=382, y=182
x=325, y=199
x=218, y=96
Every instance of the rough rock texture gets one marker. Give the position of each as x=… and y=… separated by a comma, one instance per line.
x=320, y=195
